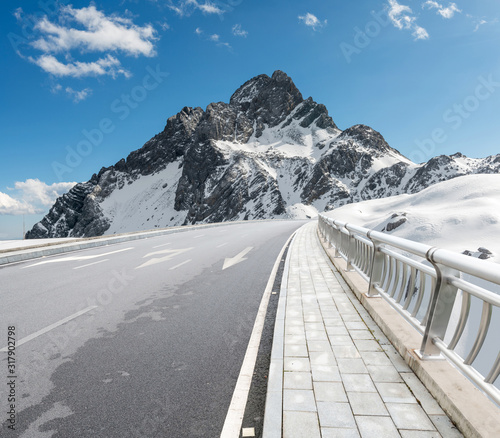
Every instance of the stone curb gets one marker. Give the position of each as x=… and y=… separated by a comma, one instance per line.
x=273, y=415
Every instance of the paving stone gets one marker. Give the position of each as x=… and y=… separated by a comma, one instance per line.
x=426, y=400
x=409, y=416
x=361, y=334
x=296, y=350
x=358, y=383
x=325, y=373
x=294, y=330
x=366, y=403
x=329, y=432
x=375, y=358
x=332, y=414
x=296, y=364
x=376, y=427
x=355, y=325
x=300, y=425
x=329, y=391
x=352, y=366
x=366, y=345
x=322, y=358
x=337, y=330
x=396, y=359
x=297, y=380
x=445, y=427
x=299, y=400
x=316, y=336
x=319, y=345
x=346, y=352
x=395, y=393
x=384, y=373
x=341, y=340
x=419, y=434
x=295, y=339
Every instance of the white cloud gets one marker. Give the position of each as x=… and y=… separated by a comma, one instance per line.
x=78, y=96
x=11, y=206
x=198, y=31
x=37, y=192
x=216, y=39
x=209, y=8
x=447, y=12
x=402, y=17
x=33, y=197
x=100, y=33
x=238, y=31
x=420, y=33
x=185, y=8
x=104, y=66
x=312, y=21
x=18, y=13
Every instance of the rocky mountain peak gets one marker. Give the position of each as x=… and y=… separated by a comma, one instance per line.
x=267, y=100
x=267, y=153
x=367, y=137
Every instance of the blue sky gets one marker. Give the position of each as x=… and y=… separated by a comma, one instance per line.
x=84, y=84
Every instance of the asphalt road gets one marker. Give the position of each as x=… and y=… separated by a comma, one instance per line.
x=139, y=339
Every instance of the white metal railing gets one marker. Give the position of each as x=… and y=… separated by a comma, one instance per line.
x=422, y=283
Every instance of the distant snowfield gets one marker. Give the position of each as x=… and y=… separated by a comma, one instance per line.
x=460, y=214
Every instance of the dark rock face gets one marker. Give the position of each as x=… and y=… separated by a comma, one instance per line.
x=267, y=153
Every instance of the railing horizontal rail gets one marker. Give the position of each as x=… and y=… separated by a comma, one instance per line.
x=423, y=284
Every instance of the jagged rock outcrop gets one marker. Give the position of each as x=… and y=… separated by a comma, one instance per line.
x=267, y=153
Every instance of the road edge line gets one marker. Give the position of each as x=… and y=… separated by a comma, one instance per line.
x=236, y=411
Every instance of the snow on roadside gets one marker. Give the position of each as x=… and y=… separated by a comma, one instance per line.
x=11, y=244
x=461, y=214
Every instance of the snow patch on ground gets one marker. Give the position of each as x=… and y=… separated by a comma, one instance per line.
x=462, y=214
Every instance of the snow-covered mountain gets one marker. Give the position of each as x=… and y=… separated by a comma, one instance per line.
x=268, y=153
x=462, y=214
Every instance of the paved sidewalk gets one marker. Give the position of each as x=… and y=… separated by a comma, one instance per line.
x=335, y=374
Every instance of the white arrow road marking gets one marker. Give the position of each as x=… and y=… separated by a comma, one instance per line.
x=170, y=254
x=90, y=264
x=52, y=326
x=236, y=259
x=72, y=258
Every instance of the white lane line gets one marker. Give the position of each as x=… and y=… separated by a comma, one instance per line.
x=200, y=235
x=234, y=417
x=180, y=264
x=165, y=244
x=90, y=264
x=51, y=327
x=221, y=245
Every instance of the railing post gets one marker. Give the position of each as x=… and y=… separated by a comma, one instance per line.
x=337, y=234
x=350, y=251
x=441, y=306
x=376, y=269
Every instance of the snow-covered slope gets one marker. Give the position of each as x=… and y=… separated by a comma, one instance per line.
x=462, y=214
x=268, y=153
